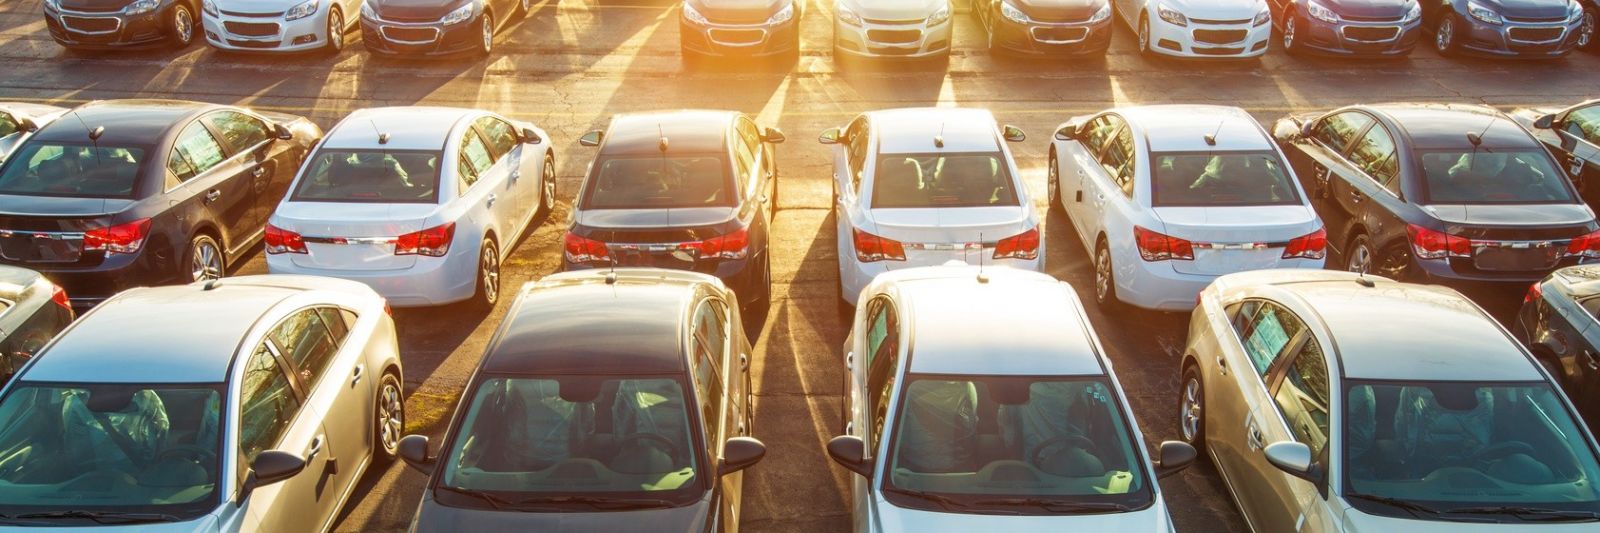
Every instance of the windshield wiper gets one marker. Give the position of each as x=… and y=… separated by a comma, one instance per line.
x=600, y=502
x=1064, y=506
x=1536, y=514
x=1409, y=506
x=948, y=503
x=498, y=503
x=103, y=517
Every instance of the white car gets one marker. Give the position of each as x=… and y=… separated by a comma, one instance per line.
x=279, y=25
x=1167, y=198
x=1023, y=430
x=18, y=121
x=922, y=187
x=421, y=203
x=892, y=28
x=1199, y=28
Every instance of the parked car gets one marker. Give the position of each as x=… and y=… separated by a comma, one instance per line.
x=18, y=121
x=408, y=28
x=96, y=24
x=1573, y=136
x=1045, y=26
x=740, y=28
x=925, y=186
x=905, y=29
x=1026, y=431
x=649, y=429
x=1167, y=198
x=1445, y=193
x=1199, y=28
x=32, y=311
x=1507, y=28
x=422, y=204
x=688, y=190
x=279, y=25
x=1586, y=30
x=1558, y=324
x=264, y=419
x=1349, y=27
x=1335, y=401
x=126, y=193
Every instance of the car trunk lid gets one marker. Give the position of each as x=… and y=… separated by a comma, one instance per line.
x=933, y=236
x=352, y=236
x=49, y=230
x=1235, y=238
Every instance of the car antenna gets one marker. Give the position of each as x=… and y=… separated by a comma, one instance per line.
x=94, y=135
x=982, y=278
x=383, y=138
x=938, y=140
x=1211, y=138
x=611, y=277
x=1361, y=277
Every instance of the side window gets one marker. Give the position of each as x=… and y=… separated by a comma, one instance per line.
x=1118, y=161
x=8, y=124
x=1302, y=396
x=1336, y=131
x=338, y=322
x=199, y=149
x=1098, y=131
x=745, y=152
x=710, y=348
x=475, y=159
x=306, y=343
x=1583, y=123
x=856, y=137
x=239, y=130
x=1375, y=155
x=883, y=363
x=1267, y=333
x=502, y=137
x=267, y=405
x=178, y=169
x=1242, y=314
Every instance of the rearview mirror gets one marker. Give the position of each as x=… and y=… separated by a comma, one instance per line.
x=740, y=453
x=772, y=135
x=1293, y=458
x=592, y=138
x=1545, y=122
x=829, y=136
x=1173, y=457
x=851, y=452
x=1067, y=133
x=1013, y=134
x=414, y=451
x=529, y=137
x=271, y=466
x=283, y=132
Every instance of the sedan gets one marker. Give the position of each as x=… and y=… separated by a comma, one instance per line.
x=1167, y=198
x=125, y=193
x=32, y=311
x=1199, y=28
x=420, y=203
x=279, y=25
x=1341, y=402
x=1573, y=135
x=263, y=420
x=894, y=28
x=740, y=28
x=1046, y=26
x=1373, y=28
x=18, y=121
x=607, y=401
x=410, y=28
x=108, y=24
x=1558, y=322
x=1507, y=28
x=1444, y=193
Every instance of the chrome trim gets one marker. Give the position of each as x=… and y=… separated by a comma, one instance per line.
x=383, y=29
x=62, y=14
x=1562, y=36
x=1033, y=32
x=1398, y=32
x=349, y=240
x=712, y=31
x=46, y=235
x=949, y=247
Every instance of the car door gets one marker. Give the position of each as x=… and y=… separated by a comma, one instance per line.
x=1301, y=410
x=1579, y=134
x=215, y=179
x=475, y=170
x=878, y=373
x=1318, y=159
x=850, y=170
x=520, y=170
x=1078, y=188
x=335, y=383
x=1583, y=382
x=1265, y=331
x=252, y=143
x=1369, y=187
x=709, y=337
x=271, y=414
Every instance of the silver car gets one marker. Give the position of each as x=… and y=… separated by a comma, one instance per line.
x=1332, y=401
x=247, y=404
x=18, y=121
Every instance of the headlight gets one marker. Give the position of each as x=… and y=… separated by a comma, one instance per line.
x=1317, y=11
x=1102, y=14
x=1483, y=13
x=368, y=12
x=782, y=16
x=939, y=16
x=141, y=7
x=1172, y=16
x=1574, y=11
x=1265, y=16
x=302, y=10
x=1414, y=14
x=693, y=15
x=460, y=15
x=209, y=7
x=846, y=16
x=1013, y=14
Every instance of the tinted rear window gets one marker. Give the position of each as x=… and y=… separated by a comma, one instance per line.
x=942, y=180
x=1228, y=179
x=370, y=176
x=1493, y=177
x=649, y=182
x=84, y=171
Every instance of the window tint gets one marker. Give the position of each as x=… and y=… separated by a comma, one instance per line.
x=645, y=182
x=475, y=159
x=267, y=404
x=304, y=340
x=885, y=359
x=501, y=136
x=1584, y=123
x=338, y=322
x=1098, y=131
x=1267, y=333
x=201, y=149
x=710, y=348
x=1374, y=154
x=1491, y=176
x=877, y=328
x=942, y=180
x=381, y=176
x=1302, y=397
x=83, y=171
x=1336, y=131
x=1118, y=161
x=241, y=131
x=857, y=137
x=1223, y=179
x=8, y=124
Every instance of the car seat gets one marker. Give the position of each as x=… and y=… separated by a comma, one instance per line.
x=899, y=184
x=128, y=440
x=1430, y=435
x=1054, y=410
x=939, y=428
x=652, y=407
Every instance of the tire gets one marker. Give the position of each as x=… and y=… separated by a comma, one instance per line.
x=1362, y=253
x=547, y=185
x=488, y=276
x=335, y=29
x=1444, y=35
x=1054, y=184
x=1105, y=279
x=1191, y=408
x=1291, y=27
x=204, y=260
x=1586, y=30
x=180, y=26
x=388, y=419
x=486, y=25
x=524, y=8
x=1146, y=47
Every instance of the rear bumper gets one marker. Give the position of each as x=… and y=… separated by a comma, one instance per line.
x=430, y=281
x=1158, y=287
x=88, y=286
x=738, y=275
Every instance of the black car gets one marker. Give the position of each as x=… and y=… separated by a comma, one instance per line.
x=32, y=311
x=690, y=190
x=1438, y=193
x=606, y=401
x=1506, y=28
x=125, y=193
x=1558, y=323
x=1039, y=27
x=1348, y=27
x=744, y=28
x=99, y=24
x=436, y=27
x=1573, y=135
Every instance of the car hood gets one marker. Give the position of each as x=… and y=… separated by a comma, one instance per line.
x=257, y=6
x=738, y=11
x=1218, y=9
x=1359, y=522
x=1547, y=9
x=1153, y=519
x=895, y=9
x=1383, y=9
x=206, y=524
x=1513, y=215
x=435, y=517
x=414, y=10
x=1059, y=10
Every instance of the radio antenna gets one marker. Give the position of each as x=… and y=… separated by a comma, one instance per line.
x=981, y=277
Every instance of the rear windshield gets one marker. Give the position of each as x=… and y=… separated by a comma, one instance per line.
x=84, y=171
x=1213, y=179
x=1493, y=177
x=370, y=176
x=650, y=182
x=942, y=180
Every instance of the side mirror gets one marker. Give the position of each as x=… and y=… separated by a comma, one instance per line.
x=829, y=136
x=851, y=452
x=1013, y=134
x=740, y=453
x=1067, y=133
x=773, y=135
x=592, y=138
x=27, y=124
x=527, y=136
x=270, y=467
x=414, y=451
x=1545, y=122
x=1173, y=457
x=1293, y=458
x=1288, y=130
x=283, y=132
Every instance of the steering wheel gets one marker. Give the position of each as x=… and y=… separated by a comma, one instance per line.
x=1081, y=441
x=1502, y=449
x=672, y=448
x=200, y=454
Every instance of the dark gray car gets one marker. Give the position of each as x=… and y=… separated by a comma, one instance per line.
x=32, y=311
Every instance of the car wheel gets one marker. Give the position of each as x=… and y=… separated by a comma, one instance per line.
x=389, y=419
x=205, y=259
x=547, y=196
x=1364, y=256
x=1444, y=36
x=1290, y=33
x=1055, y=183
x=1144, y=34
x=335, y=43
x=1105, y=280
x=1191, y=408
x=181, y=20
x=486, y=23
x=1586, y=29
x=488, y=292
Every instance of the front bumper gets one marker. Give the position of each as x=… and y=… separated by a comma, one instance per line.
x=420, y=38
x=428, y=282
x=232, y=31
x=1236, y=39
x=1048, y=38
x=1517, y=39
x=1349, y=38
x=107, y=30
x=892, y=39
x=754, y=40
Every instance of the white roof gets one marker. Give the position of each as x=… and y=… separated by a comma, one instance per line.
x=913, y=130
x=1183, y=128
x=409, y=128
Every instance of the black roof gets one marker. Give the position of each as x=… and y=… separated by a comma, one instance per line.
x=630, y=327
x=686, y=132
x=1445, y=126
x=127, y=122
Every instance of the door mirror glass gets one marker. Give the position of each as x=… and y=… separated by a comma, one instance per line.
x=282, y=131
x=829, y=136
x=850, y=452
x=1545, y=122
x=27, y=124
x=740, y=453
x=1293, y=458
x=592, y=138
x=1288, y=130
x=1173, y=457
x=273, y=466
x=527, y=136
x=1067, y=133
x=414, y=451
x=773, y=135
x=1013, y=134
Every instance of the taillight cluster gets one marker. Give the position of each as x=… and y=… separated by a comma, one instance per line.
x=872, y=248
x=59, y=296
x=282, y=241
x=585, y=250
x=431, y=242
x=734, y=245
x=1587, y=246
x=119, y=239
x=1313, y=245
x=1430, y=244
x=1155, y=246
x=1535, y=292
x=1023, y=245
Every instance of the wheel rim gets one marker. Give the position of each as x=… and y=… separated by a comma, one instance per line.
x=488, y=33
x=1189, y=413
x=1441, y=39
x=1586, y=30
x=1360, y=258
x=1102, y=275
x=391, y=417
x=1055, y=180
x=549, y=199
x=205, y=262
x=1144, y=35
x=489, y=267
x=183, y=24
x=1288, y=33
x=527, y=5
x=336, y=31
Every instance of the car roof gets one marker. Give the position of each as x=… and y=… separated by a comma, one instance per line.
x=1580, y=282
x=579, y=323
x=1184, y=128
x=408, y=128
x=913, y=130
x=686, y=131
x=1445, y=126
x=126, y=122
x=1009, y=322
x=31, y=109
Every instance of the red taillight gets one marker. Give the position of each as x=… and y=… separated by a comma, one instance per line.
x=118, y=239
x=734, y=245
x=1430, y=244
x=1023, y=245
x=1587, y=246
x=59, y=296
x=583, y=250
x=282, y=241
x=386, y=309
x=1313, y=245
x=872, y=248
x=1157, y=247
x=432, y=242
x=1535, y=293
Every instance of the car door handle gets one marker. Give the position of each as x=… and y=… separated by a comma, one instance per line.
x=1222, y=365
x=1252, y=436
x=355, y=378
x=213, y=195
x=316, y=448
x=515, y=176
x=744, y=361
x=490, y=203
x=764, y=199
x=1590, y=360
x=258, y=172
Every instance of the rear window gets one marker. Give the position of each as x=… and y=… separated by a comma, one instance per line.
x=84, y=171
x=370, y=176
x=942, y=180
x=1212, y=179
x=650, y=182
x=1493, y=177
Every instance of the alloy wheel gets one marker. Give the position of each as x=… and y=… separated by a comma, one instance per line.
x=335, y=31
x=489, y=274
x=1055, y=183
x=1586, y=29
x=205, y=260
x=1360, y=259
x=183, y=24
x=488, y=33
x=391, y=416
x=1189, y=411
x=1144, y=34
x=1443, y=37
x=527, y=7
x=1288, y=33
x=548, y=197
x=1102, y=275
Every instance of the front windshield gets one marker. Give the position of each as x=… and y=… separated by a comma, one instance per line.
x=109, y=448
x=658, y=182
x=1221, y=179
x=1458, y=446
x=1490, y=176
x=531, y=440
x=370, y=176
x=1014, y=445
x=942, y=180
x=83, y=171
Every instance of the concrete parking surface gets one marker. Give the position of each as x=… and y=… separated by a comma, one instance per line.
x=572, y=64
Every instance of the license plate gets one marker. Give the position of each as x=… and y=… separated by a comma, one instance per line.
x=1516, y=257
x=40, y=247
